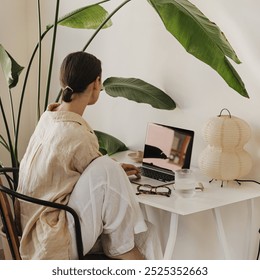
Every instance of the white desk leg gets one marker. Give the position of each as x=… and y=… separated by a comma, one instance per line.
x=221, y=232
x=172, y=237
x=249, y=229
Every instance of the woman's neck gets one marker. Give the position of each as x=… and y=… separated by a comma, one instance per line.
x=71, y=107
x=77, y=104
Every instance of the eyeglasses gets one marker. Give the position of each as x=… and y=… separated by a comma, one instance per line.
x=148, y=189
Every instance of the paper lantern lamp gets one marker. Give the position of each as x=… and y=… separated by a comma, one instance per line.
x=224, y=157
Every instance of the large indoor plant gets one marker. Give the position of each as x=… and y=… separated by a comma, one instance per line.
x=198, y=35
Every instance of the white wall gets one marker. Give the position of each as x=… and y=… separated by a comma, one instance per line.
x=137, y=45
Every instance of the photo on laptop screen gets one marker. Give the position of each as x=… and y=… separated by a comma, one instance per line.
x=166, y=149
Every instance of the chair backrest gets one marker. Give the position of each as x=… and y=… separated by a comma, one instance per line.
x=9, y=226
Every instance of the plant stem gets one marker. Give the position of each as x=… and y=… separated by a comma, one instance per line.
x=52, y=54
x=12, y=154
x=4, y=143
x=39, y=61
x=103, y=23
x=12, y=109
x=23, y=91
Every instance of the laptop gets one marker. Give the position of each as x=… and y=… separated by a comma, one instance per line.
x=166, y=149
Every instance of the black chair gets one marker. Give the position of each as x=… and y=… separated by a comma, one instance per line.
x=11, y=227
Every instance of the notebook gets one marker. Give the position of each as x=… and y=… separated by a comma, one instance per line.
x=166, y=149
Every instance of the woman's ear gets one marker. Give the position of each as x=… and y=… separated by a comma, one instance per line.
x=98, y=83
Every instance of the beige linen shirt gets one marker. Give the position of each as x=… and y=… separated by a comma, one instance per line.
x=60, y=149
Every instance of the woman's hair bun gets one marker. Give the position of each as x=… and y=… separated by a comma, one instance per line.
x=67, y=93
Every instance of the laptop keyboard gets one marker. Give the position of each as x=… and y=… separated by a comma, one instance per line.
x=156, y=175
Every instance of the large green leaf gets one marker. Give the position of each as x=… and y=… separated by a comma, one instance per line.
x=109, y=144
x=89, y=17
x=10, y=67
x=200, y=37
x=139, y=91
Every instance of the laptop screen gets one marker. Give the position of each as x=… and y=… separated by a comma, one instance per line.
x=168, y=147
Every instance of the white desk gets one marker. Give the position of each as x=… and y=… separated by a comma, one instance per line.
x=212, y=198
